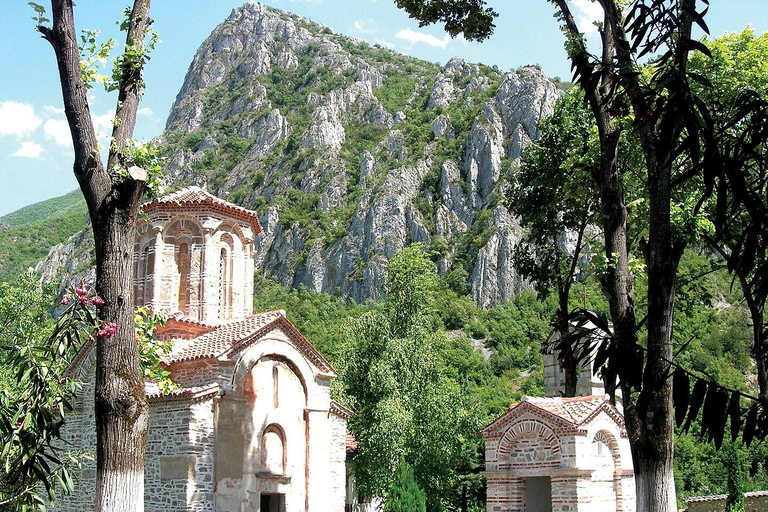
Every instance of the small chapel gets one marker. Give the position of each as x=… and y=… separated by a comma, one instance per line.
x=558, y=454
x=251, y=426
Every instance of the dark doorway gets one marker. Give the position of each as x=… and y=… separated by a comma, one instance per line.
x=272, y=503
x=538, y=494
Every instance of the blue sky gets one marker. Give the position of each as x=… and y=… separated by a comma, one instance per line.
x=35, y=147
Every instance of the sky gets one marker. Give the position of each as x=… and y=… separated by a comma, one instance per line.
x=35, y=146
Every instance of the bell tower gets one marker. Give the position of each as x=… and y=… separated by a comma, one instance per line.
x=194, y=257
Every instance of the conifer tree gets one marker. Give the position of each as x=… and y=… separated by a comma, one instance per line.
x=404, y=494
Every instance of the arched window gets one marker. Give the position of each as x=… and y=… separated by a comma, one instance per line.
x=225, y=278
x=149, y=273
x=273, y=450
x=183, y=266
x=143, y=267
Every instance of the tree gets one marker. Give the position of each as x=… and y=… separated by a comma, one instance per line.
x=735, y=75
x=554, y=199
x=404, y=494
x=677, y=143
x=35, y=393
x=406, y=404
x=113, y=194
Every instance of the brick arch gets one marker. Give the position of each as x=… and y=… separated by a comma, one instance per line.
x=530, y=428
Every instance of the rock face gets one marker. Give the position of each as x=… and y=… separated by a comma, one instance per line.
x=351, y=152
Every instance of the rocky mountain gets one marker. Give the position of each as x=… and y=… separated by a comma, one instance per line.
x=350, y=152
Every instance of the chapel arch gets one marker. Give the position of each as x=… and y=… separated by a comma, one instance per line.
x=273, y=449
x=529, y=444
x=608, y=467
x=266, y=377
x=184, y=236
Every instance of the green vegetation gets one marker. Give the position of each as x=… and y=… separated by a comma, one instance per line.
x=28, y=234
x=404, y=494
x=44, y=210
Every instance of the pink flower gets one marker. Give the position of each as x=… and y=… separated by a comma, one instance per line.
x=83, y=301
x=97, y=301
x=106, y=329
x=80, y=292
x=66, y=300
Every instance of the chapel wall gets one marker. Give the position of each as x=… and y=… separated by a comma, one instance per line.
x=337, y=462
x=80, y=432
x=178, y=472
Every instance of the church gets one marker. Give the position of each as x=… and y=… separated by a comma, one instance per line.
x=251, y=426
x=558, y=454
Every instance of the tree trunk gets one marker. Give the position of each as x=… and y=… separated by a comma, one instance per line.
x=122, y=414
x=653, y=451
x=113, y=200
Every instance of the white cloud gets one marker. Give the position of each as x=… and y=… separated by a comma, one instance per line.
x=17, y=118
x=367, y=26
x=384, y=43
x=54, y=110
x=146, y=112
x=58, y=130
x=588, y=12
x=29, y=150
x=413, y=37
x=103, y=123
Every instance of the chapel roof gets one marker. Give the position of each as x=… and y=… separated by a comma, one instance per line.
x=235, y=335
x=192, y=198
x=567, y=413
x=575, y=410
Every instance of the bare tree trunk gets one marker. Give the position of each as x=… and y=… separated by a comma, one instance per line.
x=113, y=200
x=122, y=414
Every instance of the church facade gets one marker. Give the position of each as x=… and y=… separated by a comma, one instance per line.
x=252, y=426
x=558, y=454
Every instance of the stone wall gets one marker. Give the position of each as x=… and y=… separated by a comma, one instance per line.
x=80, y=433
x=178, y=474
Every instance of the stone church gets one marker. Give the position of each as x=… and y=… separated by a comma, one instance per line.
x=559, y=454
x=252, y=426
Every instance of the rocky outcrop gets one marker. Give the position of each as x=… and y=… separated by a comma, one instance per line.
x=70, y=263
x=351, y=152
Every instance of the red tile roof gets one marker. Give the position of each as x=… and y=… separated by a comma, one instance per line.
x=219, y=340
x=723, y=497
x=340, y=411
x=239, y=334
x=575, y=410
x=570, y=413
x=351, y=443
x=194, y=197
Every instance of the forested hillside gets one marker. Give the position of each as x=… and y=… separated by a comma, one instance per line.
x=27, y=235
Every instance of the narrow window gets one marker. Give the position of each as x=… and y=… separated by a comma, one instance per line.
x=275, y=399
x=183, y=266
x=224, y=284
x=149, y=274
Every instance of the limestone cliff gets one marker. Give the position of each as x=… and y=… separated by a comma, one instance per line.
x=350, y=152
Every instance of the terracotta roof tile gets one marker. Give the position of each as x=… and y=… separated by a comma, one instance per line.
x=340, y=411
x=569, y=413
x=195, y=197
x=575, y=410
x=221, y=339
x=723, y=497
